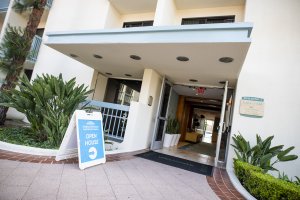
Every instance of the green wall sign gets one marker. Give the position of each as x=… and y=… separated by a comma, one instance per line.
x=252, y=107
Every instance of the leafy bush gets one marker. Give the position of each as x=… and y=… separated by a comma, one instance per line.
x=285, y=177
x=22, y=136
x=264, y=186
x=172, y=126
x=48, y=103
x=262, y=153
x=297, y=182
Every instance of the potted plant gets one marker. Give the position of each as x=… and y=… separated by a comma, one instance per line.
x=171, y=134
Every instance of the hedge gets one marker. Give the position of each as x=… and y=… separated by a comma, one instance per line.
x=264, y=186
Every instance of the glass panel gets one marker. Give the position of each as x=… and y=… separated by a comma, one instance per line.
x=122, y=91
x=165, y=102
x=137, y=24
x=223, y=145
x=160, y=130
x=208, y=20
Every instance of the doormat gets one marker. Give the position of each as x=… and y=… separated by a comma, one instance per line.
x=202, y=148
x=178, y=162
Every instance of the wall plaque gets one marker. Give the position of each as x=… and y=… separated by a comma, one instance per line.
x=252, y=107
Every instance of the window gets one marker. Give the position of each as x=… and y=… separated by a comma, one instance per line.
x=125, y=95
x=208, y=20
x=28, y=73
x=137, y=24
x=40, y=32
x=122, y=91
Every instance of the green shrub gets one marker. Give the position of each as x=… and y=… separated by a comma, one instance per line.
x=242, y=170
x=297, y=181
x=48, y=103
x=22, y=136
x=284, y=177
x=264, y=186
x=262, y=153
x=172, y=126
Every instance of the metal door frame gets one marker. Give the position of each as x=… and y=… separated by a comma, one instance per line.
x=221, y=127
x=159, y=144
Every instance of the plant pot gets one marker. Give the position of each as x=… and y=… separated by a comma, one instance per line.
x=108, y=146
x=167, y=140
x=177, y=139
x=173, y=139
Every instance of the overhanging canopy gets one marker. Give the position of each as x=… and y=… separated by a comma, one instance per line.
x=158, y=48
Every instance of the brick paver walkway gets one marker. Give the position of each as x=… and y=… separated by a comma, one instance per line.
x=51, y=159
x=124, y=176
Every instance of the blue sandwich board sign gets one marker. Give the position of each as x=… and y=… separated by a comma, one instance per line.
x=90, y=139
x=84, y=137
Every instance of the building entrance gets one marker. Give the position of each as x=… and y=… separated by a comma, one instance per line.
x=204, y=115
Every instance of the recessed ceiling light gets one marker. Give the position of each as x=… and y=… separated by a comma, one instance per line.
x=128, y=75
x=135, y=57
x=182, y=58
x=97, y=56
x=193, y=80
x=226, y=59
x=73, y=55
x=107, y=73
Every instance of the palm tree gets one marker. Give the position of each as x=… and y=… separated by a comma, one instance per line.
x=16, y=45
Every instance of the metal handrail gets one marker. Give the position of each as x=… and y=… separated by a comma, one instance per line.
x=4, y=5
x=35, y=47
x=114, y=118
x=49, y=3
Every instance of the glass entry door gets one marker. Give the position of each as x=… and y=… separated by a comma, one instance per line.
x=221, y=124
x=162, y=115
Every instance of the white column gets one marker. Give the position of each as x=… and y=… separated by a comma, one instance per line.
x=98, y=84
x=165, y=14
x=150, y=87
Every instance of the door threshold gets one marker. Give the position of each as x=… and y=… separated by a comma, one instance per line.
x=187, y=155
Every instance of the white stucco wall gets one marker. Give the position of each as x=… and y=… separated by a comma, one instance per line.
x=138, y=17
x=238, y=11
x=141, y=119
x=167, y=13
x=271, y=71
x=98, y=84
x=76, y=16
x=113, y=18
x=116, y=20
x=52, y=62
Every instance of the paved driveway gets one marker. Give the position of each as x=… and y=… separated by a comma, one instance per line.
x=136, y=178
